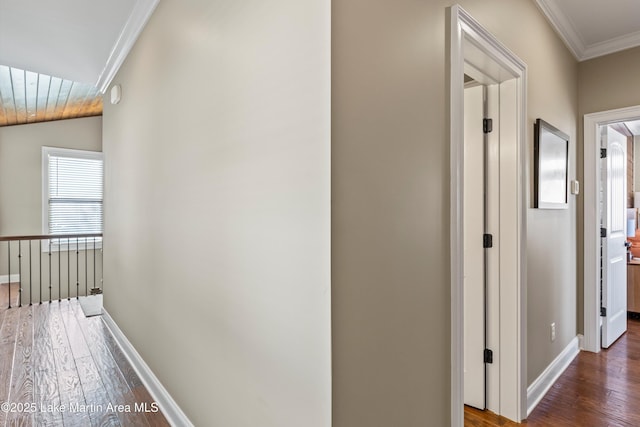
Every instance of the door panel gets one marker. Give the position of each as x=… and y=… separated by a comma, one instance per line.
x=614, y=274
x=474, y=268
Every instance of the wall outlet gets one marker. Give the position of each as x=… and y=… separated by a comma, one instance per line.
x=553, y=331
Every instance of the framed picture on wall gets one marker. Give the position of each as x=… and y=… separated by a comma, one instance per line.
x=551, y=167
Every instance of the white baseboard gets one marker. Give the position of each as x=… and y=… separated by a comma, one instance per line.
x=581, y=342
x=4, y=279
x=168, y=406
x=542, y=384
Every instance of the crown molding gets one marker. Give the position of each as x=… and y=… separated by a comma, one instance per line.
x=563, y=27
x=611, y=46
x=139, y=17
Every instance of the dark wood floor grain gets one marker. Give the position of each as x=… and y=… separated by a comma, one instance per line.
x=59, y=368
x=596, y=390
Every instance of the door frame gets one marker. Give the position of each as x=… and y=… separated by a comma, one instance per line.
x=468, y=41
x=591, y=286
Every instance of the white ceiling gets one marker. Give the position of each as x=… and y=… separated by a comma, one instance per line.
x=80, y=40
x=592, y=28
x=634, y=127
x=87, y=40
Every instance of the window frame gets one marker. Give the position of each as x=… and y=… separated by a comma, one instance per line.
x=64, y=245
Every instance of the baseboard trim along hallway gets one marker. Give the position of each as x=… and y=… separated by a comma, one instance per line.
x=168, y=406
x=4, y=279
x=542, y=384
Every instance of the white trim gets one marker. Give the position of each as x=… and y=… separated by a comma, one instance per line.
x=463, y=28
x=456, y=96
x=610, y=46
x=572, y=39
x=4, y=279
x=62, y=152
x=139, y=17
x=563, y=27
x=549, y=376
x=591, y=143
x=581, y=341
x=64, y=247
x=168, y=406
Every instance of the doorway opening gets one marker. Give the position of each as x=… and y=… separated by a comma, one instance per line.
x=606, y=199
x=478, y=242
x=479, y=55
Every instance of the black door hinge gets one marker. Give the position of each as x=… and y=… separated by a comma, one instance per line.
x=487, y=241
x=603, y=311
x=603, y=153
x=488, y=356
x=487, y=125
x=603, y=232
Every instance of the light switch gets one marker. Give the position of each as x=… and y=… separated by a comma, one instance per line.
x=575, y=187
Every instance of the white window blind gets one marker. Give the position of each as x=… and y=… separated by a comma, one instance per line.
x=74, y=193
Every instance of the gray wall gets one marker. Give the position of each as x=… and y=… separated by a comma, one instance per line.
x=218, y=208
x=390, y=204
x=21, y=167
x=21, y=201
x=217, y=186
x=605, y=83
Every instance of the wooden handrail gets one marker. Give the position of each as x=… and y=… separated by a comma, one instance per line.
x=50, y=237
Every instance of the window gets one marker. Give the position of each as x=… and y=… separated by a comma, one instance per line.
x=72, y=192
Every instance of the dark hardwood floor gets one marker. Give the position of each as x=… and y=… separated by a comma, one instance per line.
x=596, y=390
x=53, y=360
x=59, y=368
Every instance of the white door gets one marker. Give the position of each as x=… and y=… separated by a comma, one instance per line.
x=474, y=264
x=614, y=252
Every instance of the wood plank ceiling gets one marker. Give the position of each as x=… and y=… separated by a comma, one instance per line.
x=27, y=97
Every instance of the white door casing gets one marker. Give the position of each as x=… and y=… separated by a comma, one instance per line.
x=614, y=252
x=512, y=264
x=472, y=47
x=593, y=122
x=492, y=255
